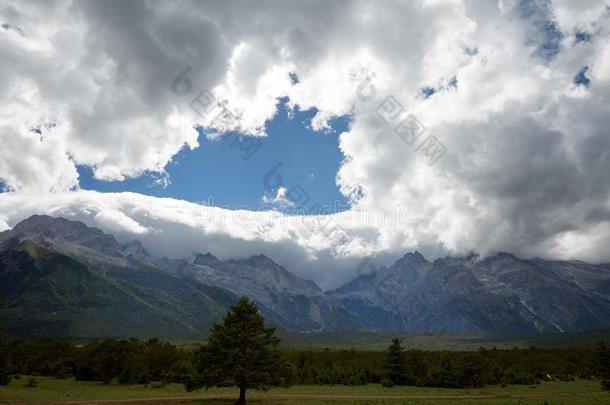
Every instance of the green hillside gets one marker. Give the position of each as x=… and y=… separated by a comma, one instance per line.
x=48, y=293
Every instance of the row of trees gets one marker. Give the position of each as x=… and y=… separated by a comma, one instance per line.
x=398, y=366
x=4, y=375
x=242, y=351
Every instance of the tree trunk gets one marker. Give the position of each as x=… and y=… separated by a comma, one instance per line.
x=242, y=396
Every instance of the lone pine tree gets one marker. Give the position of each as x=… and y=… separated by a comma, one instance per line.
x=398, y=370
x=241, y=351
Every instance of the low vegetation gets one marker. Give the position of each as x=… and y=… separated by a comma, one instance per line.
x=244, y=353
x=584, y=392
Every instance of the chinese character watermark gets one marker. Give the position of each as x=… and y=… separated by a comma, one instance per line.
x=223, y=119
x=410, y=130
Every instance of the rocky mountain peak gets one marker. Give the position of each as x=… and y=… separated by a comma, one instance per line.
x=136, y=249
x=468, y=261
x=415, y=255
x=207, y=259
x=411, y=259
x=42, y=223
x=260, y=261
x=504, y=255
x=45, y=227
x=500, y=294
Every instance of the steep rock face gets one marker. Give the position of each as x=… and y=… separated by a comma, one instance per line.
x=188, y=292
x=568, y=295
x=284, y=298
x=49, y=293
x=44, y=228
x=135, y=249
x=416, y=296
x=61, y=277
x=501, y=294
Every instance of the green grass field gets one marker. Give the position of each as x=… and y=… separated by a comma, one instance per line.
x=53, y=391
x=461, y=342
x=378, y=341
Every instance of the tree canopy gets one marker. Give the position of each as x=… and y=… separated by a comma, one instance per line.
x=602, y=365
x=4, y=377
x=399, y=371
x=241, y=351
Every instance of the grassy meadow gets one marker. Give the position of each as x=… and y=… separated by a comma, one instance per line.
x=55, y=391
x=456, y=342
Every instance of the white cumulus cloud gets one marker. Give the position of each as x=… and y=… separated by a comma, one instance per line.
x=510, y=148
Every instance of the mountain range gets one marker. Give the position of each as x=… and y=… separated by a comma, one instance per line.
x=63, y=278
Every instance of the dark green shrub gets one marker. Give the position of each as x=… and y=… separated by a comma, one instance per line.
x=63, y=373
x=5, y=378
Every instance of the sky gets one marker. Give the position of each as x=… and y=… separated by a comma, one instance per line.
x=318, y=133
x=229, y=171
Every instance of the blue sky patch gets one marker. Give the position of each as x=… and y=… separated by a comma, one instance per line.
x=582, y=36
x=453, y=83
x=230, y=172
x=428, y=91
x=471, y=51
x=551, y=44
x=294, y=79
x=581, y=78
x=545, y=32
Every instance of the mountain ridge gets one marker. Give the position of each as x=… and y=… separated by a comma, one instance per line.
x=518, y=295
x=285, y=299
x=499, y=294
